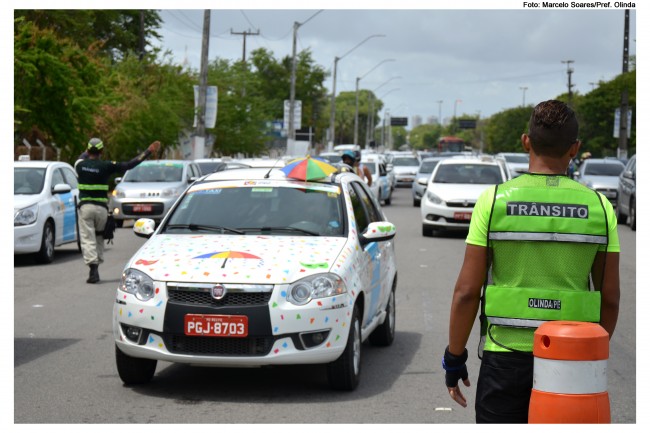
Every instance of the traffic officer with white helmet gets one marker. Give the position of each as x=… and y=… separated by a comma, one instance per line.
x=552, y=247
x=94, y=175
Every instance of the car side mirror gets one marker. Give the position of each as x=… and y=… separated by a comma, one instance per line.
x=144, y=227
x=389, y=167
x=629, y=174
x=423, y=181
x=61, y=188
x=576, y=174
x=378, y=231
x=118, y=180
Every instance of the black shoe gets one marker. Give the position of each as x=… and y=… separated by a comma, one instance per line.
x=93, y=275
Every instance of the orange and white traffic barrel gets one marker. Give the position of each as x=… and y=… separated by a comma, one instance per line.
x=570, y=374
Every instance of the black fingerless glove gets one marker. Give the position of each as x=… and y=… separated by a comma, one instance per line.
x=454, y=367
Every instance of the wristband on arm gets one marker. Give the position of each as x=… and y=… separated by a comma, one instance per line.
x=455, y=368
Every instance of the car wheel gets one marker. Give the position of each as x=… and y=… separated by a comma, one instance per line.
x=343, y=374
x=385, y=333
x=416, y=202
x=134, y=371
x=46, y=253
x=632, y=218
x=427, y=231
x=620, y=217
x=388, y=200
x=119, y=223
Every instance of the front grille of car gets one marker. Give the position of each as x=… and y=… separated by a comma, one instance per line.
x=610, y=193
x=156, y=209
x=216, y=346
x=462, y=204
x=231, y=299
x=200, y=294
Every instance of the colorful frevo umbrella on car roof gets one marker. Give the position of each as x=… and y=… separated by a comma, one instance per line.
x=308, y=168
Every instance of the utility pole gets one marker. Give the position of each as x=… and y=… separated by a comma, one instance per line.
x=523, y=104
x=569, y=71
x=199, y=139
x=439, y=112
x=141, y=38
x=622, y=132
x=248, y=33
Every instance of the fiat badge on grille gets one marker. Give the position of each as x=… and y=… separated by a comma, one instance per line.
x=218, y=291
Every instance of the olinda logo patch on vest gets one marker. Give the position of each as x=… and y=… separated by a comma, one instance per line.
x=546, y=304
x=561, y=210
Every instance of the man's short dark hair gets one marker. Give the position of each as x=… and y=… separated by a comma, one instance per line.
x=552, y=128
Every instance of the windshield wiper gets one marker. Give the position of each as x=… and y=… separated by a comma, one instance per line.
x=196, y=227
x=283, y=229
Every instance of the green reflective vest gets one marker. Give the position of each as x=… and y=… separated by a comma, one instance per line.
x=543, y=234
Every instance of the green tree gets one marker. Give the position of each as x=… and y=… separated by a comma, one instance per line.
x=59, y=86
x=502, y=131
x=113, y=32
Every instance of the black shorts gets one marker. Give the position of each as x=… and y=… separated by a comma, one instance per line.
x=505, y=382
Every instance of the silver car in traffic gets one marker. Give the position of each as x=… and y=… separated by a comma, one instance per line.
x=151, y=188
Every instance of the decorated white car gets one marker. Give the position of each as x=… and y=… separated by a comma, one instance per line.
x=256, y=267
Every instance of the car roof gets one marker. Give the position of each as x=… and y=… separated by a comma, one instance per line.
x=468, y=160
x=40, y=164
x=603, y=161
x=257, y=173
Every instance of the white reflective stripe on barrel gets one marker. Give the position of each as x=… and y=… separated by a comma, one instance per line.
x=569, y=377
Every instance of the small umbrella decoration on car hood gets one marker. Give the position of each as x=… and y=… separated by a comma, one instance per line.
x=228, y=255
x=308, y=168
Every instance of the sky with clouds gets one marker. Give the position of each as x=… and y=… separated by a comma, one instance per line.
x=476, y=61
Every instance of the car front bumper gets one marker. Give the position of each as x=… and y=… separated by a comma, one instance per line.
x=27, y=239
x=278, y=331
x=132, y=208
x=443, y=216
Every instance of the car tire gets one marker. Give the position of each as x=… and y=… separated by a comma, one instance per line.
x=416, y=202
x=385, y=333
x=344, y=373
x=388, y=200
x=46, y=253
x=427, y=231
x=632, y=218
x=119, y=223
x=620, y=218
x=134, y=371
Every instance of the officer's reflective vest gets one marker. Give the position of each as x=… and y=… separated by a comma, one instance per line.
x=543, y=234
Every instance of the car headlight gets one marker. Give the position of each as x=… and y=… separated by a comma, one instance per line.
x=170, y=192
x=137, y=283
x=314, y=287
x=433, y=198
x=118, y=193
x=26, y=216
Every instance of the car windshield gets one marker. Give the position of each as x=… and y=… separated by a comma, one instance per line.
x=405, y=162
x=428, y=166
x=155, y=173
x=332, y=158
x=298, y=210
x=211, y=167
x=28, y=180
x=603, y=169
x=517, y=159
x=468, y=173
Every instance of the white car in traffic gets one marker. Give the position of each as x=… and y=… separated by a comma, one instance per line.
x=45, y=197
x=452, y=191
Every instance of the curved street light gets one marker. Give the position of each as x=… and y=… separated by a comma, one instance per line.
x=333, y=101
x=371, y=118
x=291, y=133
x=356, y=110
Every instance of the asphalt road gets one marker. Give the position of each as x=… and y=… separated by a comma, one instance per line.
x=64, y=369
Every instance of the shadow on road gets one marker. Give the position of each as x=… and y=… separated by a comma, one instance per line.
x=380, y=368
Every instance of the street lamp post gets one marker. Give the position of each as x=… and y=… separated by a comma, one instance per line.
x=524, y=92
x=333, y=100
x=356, y=110
x=439, y=112
x=291, y=133
x=371, y=117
